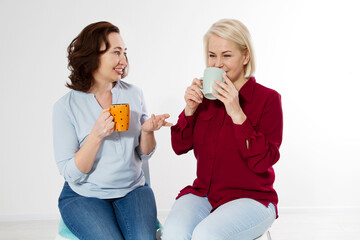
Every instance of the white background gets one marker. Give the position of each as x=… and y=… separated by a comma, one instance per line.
x=306, y=50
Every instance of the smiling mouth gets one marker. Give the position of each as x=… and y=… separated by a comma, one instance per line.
x=119, y=70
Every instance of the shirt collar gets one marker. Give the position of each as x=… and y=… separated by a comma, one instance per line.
x=246, y=91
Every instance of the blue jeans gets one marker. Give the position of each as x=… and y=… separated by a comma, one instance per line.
x=131, y=217
x=240, y=219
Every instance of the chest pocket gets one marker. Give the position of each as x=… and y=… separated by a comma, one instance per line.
x=227, y=135
x=201, y=127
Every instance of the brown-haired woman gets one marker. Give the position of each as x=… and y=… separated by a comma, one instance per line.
x=105, y=195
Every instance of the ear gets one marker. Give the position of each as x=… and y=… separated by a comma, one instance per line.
x=246, y=58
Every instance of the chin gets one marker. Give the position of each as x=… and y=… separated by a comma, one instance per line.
x=117, y=79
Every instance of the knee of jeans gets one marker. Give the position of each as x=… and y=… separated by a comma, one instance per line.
x=203, y=232
x=176, y=231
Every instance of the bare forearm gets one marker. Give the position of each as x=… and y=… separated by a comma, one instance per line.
x=85, y=157
x=239, y=118
x=188, y=111
x=147, y=142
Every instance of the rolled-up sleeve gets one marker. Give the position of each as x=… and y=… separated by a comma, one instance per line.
x=65, y=144
x=262, y=150
x=182, y=134
x=144, y=117
x=143, y=156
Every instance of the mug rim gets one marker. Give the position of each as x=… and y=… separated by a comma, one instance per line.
x=215, y=68
x=119, y=104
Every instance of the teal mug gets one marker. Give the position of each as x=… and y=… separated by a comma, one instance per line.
x=210, y=75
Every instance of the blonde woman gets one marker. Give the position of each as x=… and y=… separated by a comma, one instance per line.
x=235, y=139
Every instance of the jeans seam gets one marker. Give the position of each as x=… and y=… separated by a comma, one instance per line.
x=76, y=233
x=252, y=227
x=125, y=221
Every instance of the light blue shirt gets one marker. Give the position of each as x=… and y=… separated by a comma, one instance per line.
x=117, y=167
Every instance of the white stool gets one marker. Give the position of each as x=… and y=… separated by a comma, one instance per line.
x=265, y=236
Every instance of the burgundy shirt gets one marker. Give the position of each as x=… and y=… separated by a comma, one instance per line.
x=226, y=168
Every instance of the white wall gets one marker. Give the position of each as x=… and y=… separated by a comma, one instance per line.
x=307, y=50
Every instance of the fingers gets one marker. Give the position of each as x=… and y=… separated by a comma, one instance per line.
x=193, y=93
x=153, y=118
x=165, y=123
x=222, y=90
x=197, y=82
x=219, y=97
x=160, y=121
x=196, y=86
x=168, y=124
x=227, y=84
x=226, y=90
x=105, y=114
x=109, y=120
x=105, y=123
x=166, y=115
x=227, y=80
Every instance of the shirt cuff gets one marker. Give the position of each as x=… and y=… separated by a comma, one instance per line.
x=244, y=131
x=186, y=122
x=72, y=173
x=143, y=156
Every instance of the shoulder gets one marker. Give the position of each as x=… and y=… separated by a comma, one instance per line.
x=266, y=92
x=70, y=98
x=128, y=90
x=61, y=102
x=127, y=86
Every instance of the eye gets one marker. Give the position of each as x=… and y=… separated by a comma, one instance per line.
x=211, y=55
x=227, y=55
x=117, y=53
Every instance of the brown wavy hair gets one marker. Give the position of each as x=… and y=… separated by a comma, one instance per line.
x=84, y=53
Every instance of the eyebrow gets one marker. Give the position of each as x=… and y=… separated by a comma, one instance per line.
x=222, y=52
x=120, y=48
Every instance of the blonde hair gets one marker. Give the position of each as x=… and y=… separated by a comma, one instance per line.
x=235, y=31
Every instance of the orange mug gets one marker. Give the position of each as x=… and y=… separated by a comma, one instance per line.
x=121, y=115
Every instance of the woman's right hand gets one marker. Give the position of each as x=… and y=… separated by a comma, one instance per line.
x=104, y=125
x=193, y=97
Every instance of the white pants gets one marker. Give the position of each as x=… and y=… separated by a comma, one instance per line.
x=240, y=219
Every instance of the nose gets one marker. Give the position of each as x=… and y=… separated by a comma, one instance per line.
x=122, y=60
x=219, y=62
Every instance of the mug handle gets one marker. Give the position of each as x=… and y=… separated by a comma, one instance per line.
x=202, y=90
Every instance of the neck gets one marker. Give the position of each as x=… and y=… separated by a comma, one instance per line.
x=102, y=93
x=240, y=82
x=101, y=89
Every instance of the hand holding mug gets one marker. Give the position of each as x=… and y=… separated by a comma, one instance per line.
x=193, y=97
x=227, y=94
x=104, y=125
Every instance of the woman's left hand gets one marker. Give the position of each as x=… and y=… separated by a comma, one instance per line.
x=230, y=97
x=155, y=123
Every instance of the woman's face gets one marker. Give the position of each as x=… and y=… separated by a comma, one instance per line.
x=226, y=55
x=113, y=62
